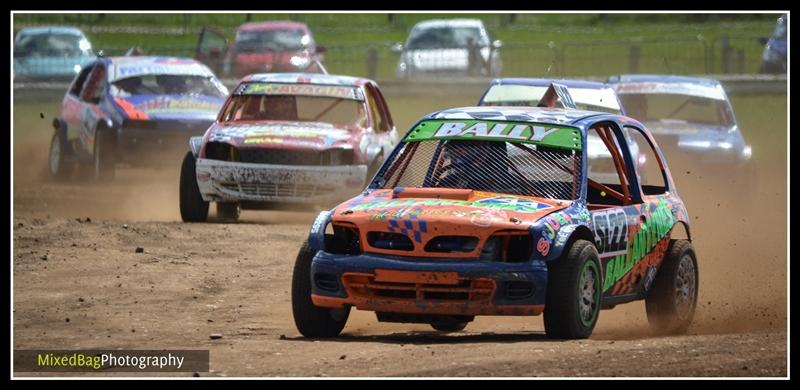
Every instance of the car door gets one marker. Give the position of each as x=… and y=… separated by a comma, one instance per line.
x=649, y=238
x=383, y=136
x=72, y=111
x=92, y=92
x=212, y=47
x=615, y=205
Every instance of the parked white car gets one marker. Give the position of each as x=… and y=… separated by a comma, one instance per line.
x=458, y=47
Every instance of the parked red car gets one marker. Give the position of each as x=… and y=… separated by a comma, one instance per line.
x=261, y=47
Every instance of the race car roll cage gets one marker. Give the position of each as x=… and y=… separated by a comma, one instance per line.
x=606, y=134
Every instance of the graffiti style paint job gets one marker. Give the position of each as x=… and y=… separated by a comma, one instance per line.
x=141, y=125
x=122, y=67
x=296, y=179
x=644, y=247
x=289, y=134
x=631, y=238
x=430, y=214
x=334, y=91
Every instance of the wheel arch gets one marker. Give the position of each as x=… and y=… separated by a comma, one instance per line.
x=680, y=230
x=566, y=236
x=316, y=236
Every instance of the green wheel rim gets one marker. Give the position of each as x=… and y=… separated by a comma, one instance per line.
x=588, y=293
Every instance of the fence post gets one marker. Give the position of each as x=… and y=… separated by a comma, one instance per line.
x=507, y=20
x=633, y=58
x=726, y=55
x=740, y=60
x=372, y=62
x=561, y=59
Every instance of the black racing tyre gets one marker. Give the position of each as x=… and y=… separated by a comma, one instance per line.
x=449, y=326
x=228, y=211
x=672, y=300
x=310, y=320
x=58, y=166
x=104, y=159
x=193, y=208
x=574, y=292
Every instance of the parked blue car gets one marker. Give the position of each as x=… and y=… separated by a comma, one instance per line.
x=50, y=53
x=774, y=58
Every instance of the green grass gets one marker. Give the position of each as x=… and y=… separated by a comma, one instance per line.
x=583, y=44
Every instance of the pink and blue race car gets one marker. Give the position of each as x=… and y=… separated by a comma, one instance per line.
x=132, y=110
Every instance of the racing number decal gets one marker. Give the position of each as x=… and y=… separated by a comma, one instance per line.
x=610, y=231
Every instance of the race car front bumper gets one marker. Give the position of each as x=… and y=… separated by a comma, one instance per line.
x=428, y=286
x=224, y=181
x=155, y=142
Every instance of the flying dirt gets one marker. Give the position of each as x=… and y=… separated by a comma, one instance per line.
x=79, y=283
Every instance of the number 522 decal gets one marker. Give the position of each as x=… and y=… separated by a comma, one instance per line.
x=610, y=231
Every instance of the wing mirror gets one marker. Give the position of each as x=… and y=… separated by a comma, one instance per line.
x=397, y=48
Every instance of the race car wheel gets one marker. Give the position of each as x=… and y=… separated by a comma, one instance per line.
x=574, y=292
x=104, y=161
x=228, y=211
x=312, y=321
x=193, y=208
x=59, y=168
x=672, y=300
x=449, y=326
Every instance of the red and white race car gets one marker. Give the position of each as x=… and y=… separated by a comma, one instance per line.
x=287, y=139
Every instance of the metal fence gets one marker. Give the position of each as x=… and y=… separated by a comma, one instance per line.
x=726, y=55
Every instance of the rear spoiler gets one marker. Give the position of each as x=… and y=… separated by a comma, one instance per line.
x=557, y=95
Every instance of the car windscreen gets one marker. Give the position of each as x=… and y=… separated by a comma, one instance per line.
x=272, y=40
x=52, y=44
x=493, y=166
x=446, y=38
x=166, y=84
x=677, y=108
x=344, y=112
x=590, y=99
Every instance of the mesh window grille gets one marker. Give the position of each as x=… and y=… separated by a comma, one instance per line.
x=503, y=167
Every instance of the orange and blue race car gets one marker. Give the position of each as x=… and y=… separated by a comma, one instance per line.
x=494, y=211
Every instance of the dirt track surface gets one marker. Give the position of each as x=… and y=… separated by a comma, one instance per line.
x=79, y=284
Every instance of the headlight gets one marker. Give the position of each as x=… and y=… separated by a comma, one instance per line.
x=76, y=68
x=299, y=62
x=747, y=152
